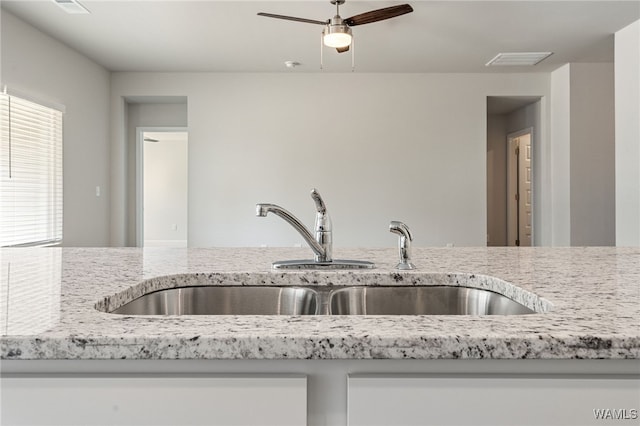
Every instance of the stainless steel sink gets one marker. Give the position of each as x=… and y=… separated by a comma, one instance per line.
x=322, y=300
x=224, y=301
x=432, y=300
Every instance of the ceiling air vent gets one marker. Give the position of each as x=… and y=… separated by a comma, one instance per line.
x=71, y=6
x=518, y=59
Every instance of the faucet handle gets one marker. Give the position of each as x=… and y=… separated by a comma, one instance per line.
x=320, y=206
x=323, y=227
x=404, y=244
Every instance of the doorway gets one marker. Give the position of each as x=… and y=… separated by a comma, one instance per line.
x=162, y=187
x=513, y=122
x=519, y=184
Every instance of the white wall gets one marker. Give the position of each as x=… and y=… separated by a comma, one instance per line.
x=592, y=161
x=496, y=180
x=379, y=147
x=560, y=155
x=627, y=125
x=35, y=64
x=582, y=161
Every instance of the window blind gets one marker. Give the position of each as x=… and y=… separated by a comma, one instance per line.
x=30, y=173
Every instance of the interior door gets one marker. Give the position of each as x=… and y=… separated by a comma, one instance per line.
x=524, y=185
x=519, y=178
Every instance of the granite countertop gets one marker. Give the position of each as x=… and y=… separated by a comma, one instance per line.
x=587, y=299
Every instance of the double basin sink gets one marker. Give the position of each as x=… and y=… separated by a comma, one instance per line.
x=323, y=300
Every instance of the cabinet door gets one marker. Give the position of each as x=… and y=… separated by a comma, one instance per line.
x=394, y=400
x=154, y=401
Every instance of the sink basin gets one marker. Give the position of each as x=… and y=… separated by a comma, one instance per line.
x=224, y=301
x=432, y=300
x=323, y=300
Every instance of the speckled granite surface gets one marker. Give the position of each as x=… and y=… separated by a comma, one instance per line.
x=588, y=301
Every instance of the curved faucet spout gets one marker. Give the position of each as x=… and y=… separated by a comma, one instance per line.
x=264, y=209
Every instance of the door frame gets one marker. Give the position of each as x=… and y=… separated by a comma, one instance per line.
x=140, y=131
x=510, y=138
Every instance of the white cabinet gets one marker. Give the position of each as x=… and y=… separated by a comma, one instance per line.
x=319, y=392
x=220, y=400
x=471, y=400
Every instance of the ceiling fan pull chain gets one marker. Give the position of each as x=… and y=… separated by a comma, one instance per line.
x=353, y=55
x=321, y=56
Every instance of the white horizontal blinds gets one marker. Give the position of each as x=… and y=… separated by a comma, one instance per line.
x=30, y=174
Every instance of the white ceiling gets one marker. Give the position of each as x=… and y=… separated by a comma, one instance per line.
x=228, y=36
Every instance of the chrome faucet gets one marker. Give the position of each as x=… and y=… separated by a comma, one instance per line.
x=321, y=241
x=404, y=244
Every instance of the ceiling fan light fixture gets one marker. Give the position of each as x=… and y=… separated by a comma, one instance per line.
x=336, y=36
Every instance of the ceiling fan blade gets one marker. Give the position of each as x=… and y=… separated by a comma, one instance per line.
x=293, y=18
x=378, y=15
x=342, y=49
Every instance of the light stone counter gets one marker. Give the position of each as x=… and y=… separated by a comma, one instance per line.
x=588, y=301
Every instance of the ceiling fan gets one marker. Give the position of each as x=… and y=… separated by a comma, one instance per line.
x=337, y=31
